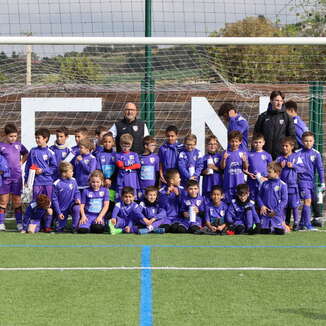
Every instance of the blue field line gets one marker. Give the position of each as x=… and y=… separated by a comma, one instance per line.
x=145, y=317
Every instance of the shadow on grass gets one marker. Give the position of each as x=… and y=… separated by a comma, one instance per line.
x=305, y=313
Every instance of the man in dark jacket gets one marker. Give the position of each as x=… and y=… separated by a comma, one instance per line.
x=275, y=124
x=130, y=125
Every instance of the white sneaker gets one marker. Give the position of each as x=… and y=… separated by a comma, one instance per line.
x=19, y=227
x=2, y=227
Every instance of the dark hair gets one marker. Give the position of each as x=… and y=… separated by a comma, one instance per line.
x=43, y=201
x=225, y=108
x=127, y=190
x=171, y=129
x=108, y=134
x=291, y=105
x=307, y=134
x=148, y=140
x=63, y=130
x=44, y=132
x=82, y=130
x=192, y=183
x=235, y=134
x=10, y=128
x=211, y=137
x=150, y=188
x=191, y=137
x=289, y=140
x=219, y=188
x=276, y=93
x=100, y=129
x=171, y=173
x=276, y=166
x=257, y=136
x=241, y=188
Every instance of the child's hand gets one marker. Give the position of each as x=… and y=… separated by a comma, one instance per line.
x=212, y=166
x=195, y=208
x=193, y=178
x=107, y=183
x=152, y=220
x=263, y=179
x=249, y=174
x=23, y=231
x=290, y=165
x=99, y=220
x=283, y=163
x=220, y=228
x=77, y=201
x=38, y=171
x=213, y=228
x=79, y=158
x=271, y=213
x=146, y=220
x=83, y=220
x=127, y=229
x=162, y=179
x=264, y=210
x=61, y=216
x=186, y=214
x=1, y=172
x=226, y=155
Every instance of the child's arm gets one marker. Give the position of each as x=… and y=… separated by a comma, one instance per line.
x=320, y=168
x=27, y=216
x=4, y=169
x=83, y=217
x=223, y=160
x=27, y=167
x=207, y=220
x=182, y=166
x=162, y=174
x=89, y=167
x=52, y=167
x=101, y=215
x=23, y=154
x=199, y=167
x=77, y=196
x=245, y=164
x=55, y=201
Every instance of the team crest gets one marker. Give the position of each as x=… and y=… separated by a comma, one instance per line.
x=222, y=213
x=188, y=203
x=312, y=158
x=277, y=188
x=103, y=160
x=71, y=186
x=90, y=195
x=17, y=147
x=45, y=157
x=198, y=202
x=101, y=193
x=152, y=159
x=64, y=154
x=263, y=157
x=281, y=122
x=135, y=128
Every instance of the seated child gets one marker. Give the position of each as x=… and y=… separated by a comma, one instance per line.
x=170, y=197
x=153, y=215
x=272, y=200
x=241, y=214
x=66, y=198
x=94, y=205
x=192, y=210
x=38, y=215
x=126, y=213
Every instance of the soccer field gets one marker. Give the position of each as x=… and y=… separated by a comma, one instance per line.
x=65, y=279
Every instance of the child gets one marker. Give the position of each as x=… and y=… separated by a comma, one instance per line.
x=15, y=154
x=272, y=200
x=125, y=213
x=211, y=167
x=149, y=171
x=299, y=124
x=38, y=215
x=192, y=210
x=84, y=163
x=60, y=149
x=66, y=198
x=235, y=121
x=105, y=161
x=241, y=213
x=234, y=162
x=190, y=161
x=169, y=151
x=170, y=197
x=311, y=163
x=44, y=159
x=94, y=205
x=100, y=131
x=80, y=133
x=215, y=211
x=258, y=159
x=128, y=163
x=290, y=167
x=153, y=215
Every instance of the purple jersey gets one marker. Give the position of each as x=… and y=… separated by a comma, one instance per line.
x=127, y=177
x=168, y=154
x=94, y=200
x=65, y=193
x=216, y=214
x=240, y=213
x=187, y=203
x=44, y=159
x=34, y=215
x=126, y=215
x=60, y=152
x=171, y=202
x=152, y=210
x=12, y=153
x=239, y=123
x=98, y=149
x=75, y=150
x=105, y=161
x=214, y=179
x=150, y=167
x=300, y=128
x=83, y=169
x=190, y=164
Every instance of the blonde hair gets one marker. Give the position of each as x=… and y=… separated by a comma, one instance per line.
x=191, y=137
x=97, y=174
x=86, y=143
x=126, y=139
x=65, y=166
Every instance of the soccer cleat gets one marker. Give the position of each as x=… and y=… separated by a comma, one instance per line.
x=48, y=230
x=317, y=222
x=230, y=232
x=311, y=228
x=2, y=227
x=295, y=227
x=143, y=231
x=159, y=230
x=114, y=230
x=19, y=227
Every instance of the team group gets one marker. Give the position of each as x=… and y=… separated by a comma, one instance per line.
x=104, y=190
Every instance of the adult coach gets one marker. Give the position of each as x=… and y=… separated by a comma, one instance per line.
x=130, y=125
x=275, y=124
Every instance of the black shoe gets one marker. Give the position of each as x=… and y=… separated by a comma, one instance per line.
x=295, y=227
x=317, y=222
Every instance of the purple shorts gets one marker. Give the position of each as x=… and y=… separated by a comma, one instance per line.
x=90, y=220
x=272, y=223
x=306, y=193
x=12, y=187
x=44, y=190
x=293, y=198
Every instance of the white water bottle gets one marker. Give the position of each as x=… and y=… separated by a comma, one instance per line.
x=192, y=214
x=31, y=176
x=210, y=161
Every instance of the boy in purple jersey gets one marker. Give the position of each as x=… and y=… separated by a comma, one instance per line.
x=170, y=197
x=60, y=149
x=42, y=157
x=258, y=159
x=311, y=163
x=211, y=172
x=299, y=124
x=154, y=216
x=80, y=134
x=169, y=151
x=84, y=163
x=126, y=213
x=38, y=215
x=100, y=131
x=235, y=121
x=105, y=161
x=128, y=163
x=94, y=205
x=272, y=200
x=234, y=162
x=192, y=210
x=66, y=198
x=290, y=163
x=15, y=154
x=190, y=161
x=150, y=166
x=241, y=213
x=215, y=211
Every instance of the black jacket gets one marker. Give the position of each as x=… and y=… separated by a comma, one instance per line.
x=274, y=125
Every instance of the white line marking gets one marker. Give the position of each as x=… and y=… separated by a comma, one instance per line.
x=162, y=268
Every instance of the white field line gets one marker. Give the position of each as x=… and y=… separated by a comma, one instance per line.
x=162, y=268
